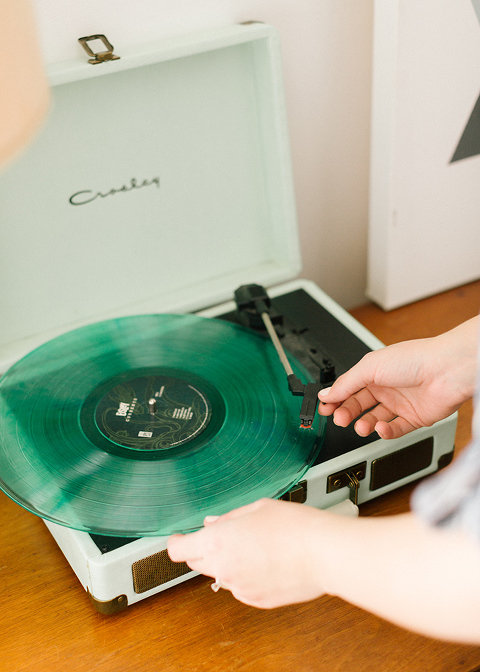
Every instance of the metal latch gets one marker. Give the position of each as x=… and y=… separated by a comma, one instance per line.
x=350, y=478
x=101, y=56
x=297, y=494
x=353, y=484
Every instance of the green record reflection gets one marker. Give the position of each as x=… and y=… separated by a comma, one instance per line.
x=142, y=426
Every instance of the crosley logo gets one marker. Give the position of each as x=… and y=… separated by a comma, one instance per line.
x=87, y=195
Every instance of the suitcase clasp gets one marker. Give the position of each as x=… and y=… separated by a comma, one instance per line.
x=101, y=56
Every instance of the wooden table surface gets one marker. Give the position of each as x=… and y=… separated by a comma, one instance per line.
x=47, y=622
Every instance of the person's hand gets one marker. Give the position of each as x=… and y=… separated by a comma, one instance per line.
x=273, y=553
x=260, y=552
x=407, y=385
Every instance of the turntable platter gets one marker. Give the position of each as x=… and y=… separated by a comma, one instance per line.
x=142, y=426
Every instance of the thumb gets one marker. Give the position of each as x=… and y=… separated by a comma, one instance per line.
x=355, y=379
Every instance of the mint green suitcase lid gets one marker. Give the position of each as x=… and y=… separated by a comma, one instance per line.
x=160, y=183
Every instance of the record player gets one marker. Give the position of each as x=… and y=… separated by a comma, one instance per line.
x=159, y=186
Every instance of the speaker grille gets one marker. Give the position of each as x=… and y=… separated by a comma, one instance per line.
x=402, y=463
x=151, y=572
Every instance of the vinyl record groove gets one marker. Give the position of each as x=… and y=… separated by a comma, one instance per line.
x=143, y=425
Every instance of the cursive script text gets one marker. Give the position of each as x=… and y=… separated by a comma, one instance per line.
x=87, y=195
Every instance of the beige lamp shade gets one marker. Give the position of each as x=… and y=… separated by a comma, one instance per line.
x=24, y=92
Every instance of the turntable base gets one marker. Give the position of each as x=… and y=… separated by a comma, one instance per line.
x=48, y=624
x=118, y=572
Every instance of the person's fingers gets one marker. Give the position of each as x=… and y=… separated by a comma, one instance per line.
x=209, y=520
x=186, y=547
x=393, y=430
x=191, y=547
x=241, y=511
x=367, y=423
x=326, y=409
x=358, y=377
x=202, y=567
x=353, y=407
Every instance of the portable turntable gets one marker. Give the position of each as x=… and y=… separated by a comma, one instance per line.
x=138, y=396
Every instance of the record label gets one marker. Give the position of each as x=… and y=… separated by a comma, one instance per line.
x=153, y=413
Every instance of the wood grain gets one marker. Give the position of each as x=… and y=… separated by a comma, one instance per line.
x=47, y=622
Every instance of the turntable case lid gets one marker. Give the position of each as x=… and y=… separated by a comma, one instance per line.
x=160, y=182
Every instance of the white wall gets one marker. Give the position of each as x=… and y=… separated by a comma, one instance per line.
x=327, y=47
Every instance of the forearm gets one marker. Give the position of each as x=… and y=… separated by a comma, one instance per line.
x=466, y=335
x=272, y=553
x=461, y=343
x=424, y=579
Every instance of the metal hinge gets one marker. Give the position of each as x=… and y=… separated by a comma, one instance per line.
x=297, y=494
x=101, y=56
x=350, y=478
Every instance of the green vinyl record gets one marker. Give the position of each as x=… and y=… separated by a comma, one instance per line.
x=143, y=425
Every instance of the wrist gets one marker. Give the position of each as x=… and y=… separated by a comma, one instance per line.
x=461, y=345
x=328, y=554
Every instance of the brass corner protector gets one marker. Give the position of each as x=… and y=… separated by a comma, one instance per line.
x=109, y=607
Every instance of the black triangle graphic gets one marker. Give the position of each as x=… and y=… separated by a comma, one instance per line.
x=469, y=144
